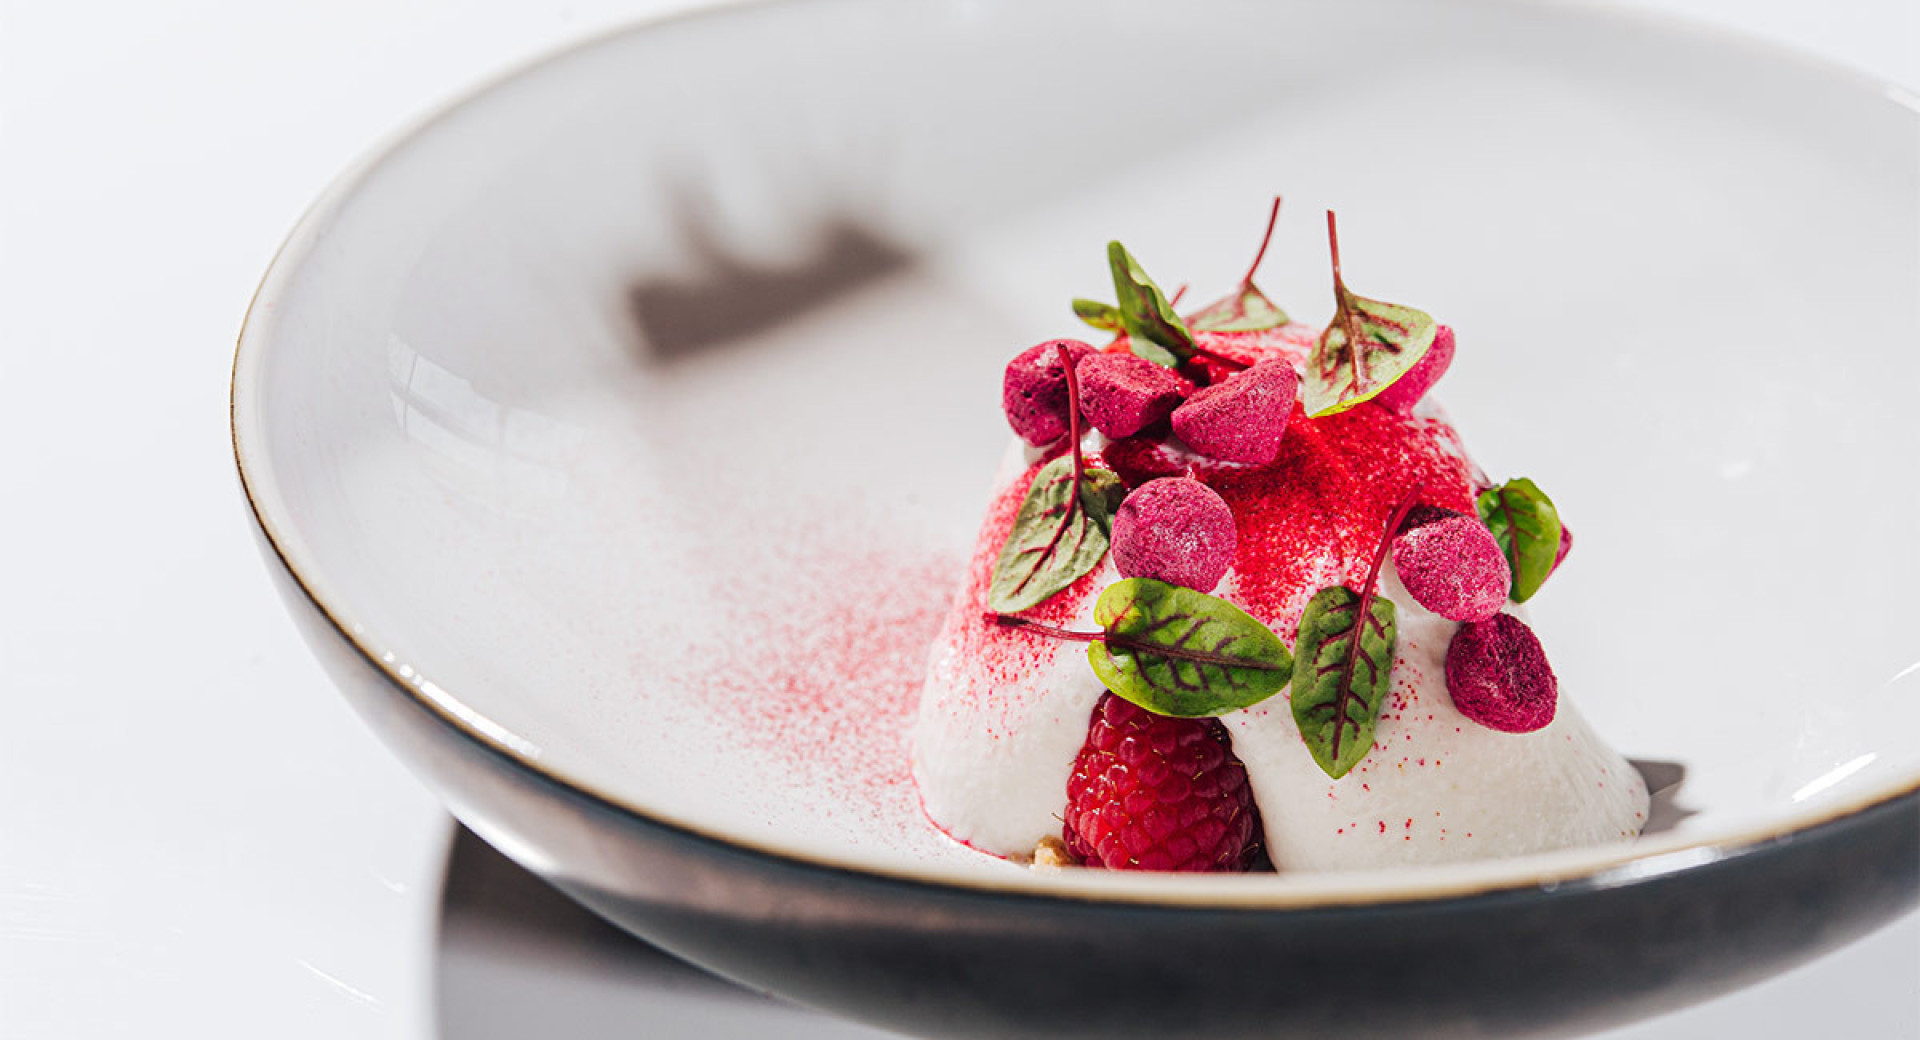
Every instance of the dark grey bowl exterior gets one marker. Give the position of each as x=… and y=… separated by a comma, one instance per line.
x=946, y=961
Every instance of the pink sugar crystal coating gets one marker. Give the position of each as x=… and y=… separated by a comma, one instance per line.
x=1175, y=530
x=1034, y=391
x=1122, y=394
x=1454, y=567
x=1499, y=677
x=1408, y=389
x=1243, y=418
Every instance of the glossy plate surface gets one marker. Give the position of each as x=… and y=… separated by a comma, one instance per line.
x=634, y=415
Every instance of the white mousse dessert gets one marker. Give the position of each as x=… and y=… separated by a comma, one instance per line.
x=1264, y=611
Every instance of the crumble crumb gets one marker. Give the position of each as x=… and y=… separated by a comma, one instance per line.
x=1052, y=854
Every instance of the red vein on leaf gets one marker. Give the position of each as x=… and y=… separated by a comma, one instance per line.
x=1363, y=615
x=1129, y=643
x=1174, y=300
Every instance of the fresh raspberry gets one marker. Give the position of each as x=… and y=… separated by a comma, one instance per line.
x=1150, y=792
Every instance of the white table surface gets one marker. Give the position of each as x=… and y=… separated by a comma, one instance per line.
x=197, y=837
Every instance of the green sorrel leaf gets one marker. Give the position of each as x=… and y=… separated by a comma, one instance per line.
x=1104, y=316
x=1345, y=670
x=1157, y=333
x=1527, y=526
x=1179, y=652
x=1247, y=310
x=1367, y=346
x=1055, y=539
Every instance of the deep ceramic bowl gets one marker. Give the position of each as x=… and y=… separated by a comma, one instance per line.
x=618, y=432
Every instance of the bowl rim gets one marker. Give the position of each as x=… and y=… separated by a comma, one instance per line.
x=1593, y=867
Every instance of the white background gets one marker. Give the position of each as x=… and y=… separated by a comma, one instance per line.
x=197, y=838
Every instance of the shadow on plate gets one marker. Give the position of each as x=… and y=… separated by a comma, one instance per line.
x=725, y=296
x=1665, y=781
x=518, y=959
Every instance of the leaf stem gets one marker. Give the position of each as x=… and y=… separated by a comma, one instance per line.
x=1073, y=426
x=1073, y=505
x=1386, y=539
x=1273, y=218
x=1079, y=465
x=1016, y=621
x=1138, y=646
x=1333, y=245
x=1364, y=613
x=1343, y=313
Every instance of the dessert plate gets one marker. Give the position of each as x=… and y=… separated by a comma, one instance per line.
x=618, y=434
